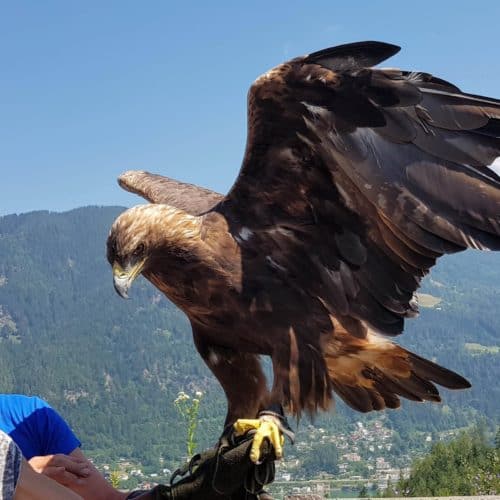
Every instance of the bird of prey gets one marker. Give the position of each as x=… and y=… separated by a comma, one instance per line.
x=355, y=180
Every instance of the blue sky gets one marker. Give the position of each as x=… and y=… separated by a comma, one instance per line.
x=89, y=89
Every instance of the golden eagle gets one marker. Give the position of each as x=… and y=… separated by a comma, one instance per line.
x=355, y=180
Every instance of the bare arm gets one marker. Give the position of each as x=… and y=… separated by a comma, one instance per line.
x=76, y=472
x=33, y=486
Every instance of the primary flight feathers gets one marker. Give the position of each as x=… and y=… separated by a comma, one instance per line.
x=355, y=180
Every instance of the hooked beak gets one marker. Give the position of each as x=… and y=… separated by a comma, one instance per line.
x=123, y=278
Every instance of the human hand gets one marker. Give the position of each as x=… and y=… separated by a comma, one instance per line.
x=65, y=469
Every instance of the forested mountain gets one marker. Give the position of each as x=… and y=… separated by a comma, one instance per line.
x=113, y=368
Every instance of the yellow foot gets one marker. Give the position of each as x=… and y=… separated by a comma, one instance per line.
x=266, y=427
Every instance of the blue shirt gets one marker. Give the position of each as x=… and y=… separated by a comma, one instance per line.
x=35, y=427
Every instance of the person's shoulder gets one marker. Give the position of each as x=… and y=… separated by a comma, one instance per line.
x=23, y=401
x=37, y=402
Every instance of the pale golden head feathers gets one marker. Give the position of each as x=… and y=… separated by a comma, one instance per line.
x=149, y=227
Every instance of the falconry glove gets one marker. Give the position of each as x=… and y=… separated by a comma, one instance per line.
x=223, y=473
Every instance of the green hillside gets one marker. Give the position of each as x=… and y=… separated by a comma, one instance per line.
x=114, y=367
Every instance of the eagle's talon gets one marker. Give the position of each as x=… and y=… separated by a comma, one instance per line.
x=265, y=427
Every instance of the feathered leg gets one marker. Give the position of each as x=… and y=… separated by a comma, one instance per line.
x=240, y=375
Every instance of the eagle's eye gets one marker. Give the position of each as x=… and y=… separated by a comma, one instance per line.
x=112, y=248
x=139, y=250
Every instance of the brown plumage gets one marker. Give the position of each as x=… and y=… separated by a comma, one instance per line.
x=355, y=180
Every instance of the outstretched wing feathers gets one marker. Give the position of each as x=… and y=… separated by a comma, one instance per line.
x=411, y=184
x=353, y=55
x=374, y=174
x=158, y=189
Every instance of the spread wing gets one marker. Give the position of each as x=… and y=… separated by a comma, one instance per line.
x=158, y=189
x=355, y=180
